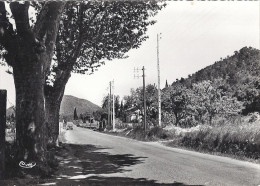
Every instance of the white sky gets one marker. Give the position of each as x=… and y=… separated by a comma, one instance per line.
x=194, y=35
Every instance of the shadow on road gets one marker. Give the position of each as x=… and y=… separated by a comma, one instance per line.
x=113, y=181
x=87, y=159
x=80, y=163
x=88, y=165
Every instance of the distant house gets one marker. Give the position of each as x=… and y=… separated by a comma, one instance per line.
x=87, y=117
x=133, y=115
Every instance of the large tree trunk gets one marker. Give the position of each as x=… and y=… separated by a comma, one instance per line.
x=30, y=109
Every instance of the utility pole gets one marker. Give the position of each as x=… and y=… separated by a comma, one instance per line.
x=109, y=96
x=136, y=70
x=108, y=109
x=144, y=99
x=111, y=106
x=159, y=90
x=113, y=94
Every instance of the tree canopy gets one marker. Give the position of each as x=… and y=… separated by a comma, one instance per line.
x=92, y=32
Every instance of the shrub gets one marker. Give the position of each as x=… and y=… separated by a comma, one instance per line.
x=242, y=140
x=157, y=133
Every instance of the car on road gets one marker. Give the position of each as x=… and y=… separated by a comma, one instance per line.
x=69, y=126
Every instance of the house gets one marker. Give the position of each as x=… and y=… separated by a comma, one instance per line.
x=133, y=115
x=87, y=117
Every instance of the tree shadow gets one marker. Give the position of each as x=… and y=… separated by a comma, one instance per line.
x=117, y=181
x=80, y=163
x=86, y=159
x=94, y=180
x=86, y=165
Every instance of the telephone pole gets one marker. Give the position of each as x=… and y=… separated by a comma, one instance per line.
x=144, y=99
x=136, y=70
x=113, y=112
x=159, y=90
x=109, y=105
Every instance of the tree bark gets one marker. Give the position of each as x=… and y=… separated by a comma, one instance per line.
x=53, y=103
x=54, y=97
x=30, y=109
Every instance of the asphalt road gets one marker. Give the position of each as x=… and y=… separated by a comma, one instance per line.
x=153, y=161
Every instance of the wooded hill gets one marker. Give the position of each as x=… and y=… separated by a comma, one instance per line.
x=239, y=74
x=82, y=105
x=68, y=104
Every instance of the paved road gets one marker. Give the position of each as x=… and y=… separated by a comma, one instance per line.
x=165, y=164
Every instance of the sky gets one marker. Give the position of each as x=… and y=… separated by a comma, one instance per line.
x=193, y=36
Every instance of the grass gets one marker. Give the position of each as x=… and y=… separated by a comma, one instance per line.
x=137, y=132
x=240, y=140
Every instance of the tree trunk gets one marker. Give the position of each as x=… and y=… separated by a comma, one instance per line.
x=210, y=119
x=53, y=103
x=200, y=118
x=54, y=97
x=30, y=110
x=177, y=118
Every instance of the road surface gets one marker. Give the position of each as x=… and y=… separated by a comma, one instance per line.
x=153, y=161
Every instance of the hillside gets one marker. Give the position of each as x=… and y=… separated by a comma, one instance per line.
x=240, y=65
x=240, y=74
x=68, y=104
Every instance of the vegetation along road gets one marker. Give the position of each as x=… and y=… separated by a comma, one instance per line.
x=133, y=159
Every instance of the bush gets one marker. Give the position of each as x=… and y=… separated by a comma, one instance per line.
x=254, y=117
x=157, y=133
x=137, y=133
x=241, y=140
x=152, y=134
